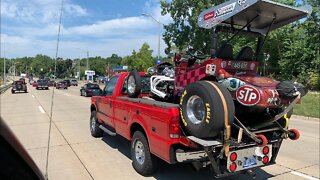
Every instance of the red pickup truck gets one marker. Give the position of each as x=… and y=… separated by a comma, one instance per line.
x=154, y=129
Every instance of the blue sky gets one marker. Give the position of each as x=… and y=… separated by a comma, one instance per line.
x=103, y=26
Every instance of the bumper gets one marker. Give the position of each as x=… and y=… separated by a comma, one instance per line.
x=210, y=155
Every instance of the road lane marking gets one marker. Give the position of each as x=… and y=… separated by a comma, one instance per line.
x=41, y=109
x=303, y=175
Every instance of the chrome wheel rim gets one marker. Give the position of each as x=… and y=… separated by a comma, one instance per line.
x=93, y=124
x=196, y=110
x=131, y=84
x=139, y=152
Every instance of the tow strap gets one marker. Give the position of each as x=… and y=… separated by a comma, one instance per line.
x=226, y=122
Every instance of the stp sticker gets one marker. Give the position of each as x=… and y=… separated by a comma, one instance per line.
x=248, y=95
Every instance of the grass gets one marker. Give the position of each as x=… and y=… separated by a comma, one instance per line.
x=310, y=105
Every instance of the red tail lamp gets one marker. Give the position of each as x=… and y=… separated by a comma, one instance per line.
x=233, y=167
x=233, y=156
x=265, y=160
x=265, y=150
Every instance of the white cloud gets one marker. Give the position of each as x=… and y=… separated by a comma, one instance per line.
x=103, y=38
x=39, y=11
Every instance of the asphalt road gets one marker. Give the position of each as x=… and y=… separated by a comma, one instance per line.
x=74, y=154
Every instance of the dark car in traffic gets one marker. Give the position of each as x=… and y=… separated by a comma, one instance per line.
x=51, y=83
x=90, y=89
x=42, y=84
x=74, y=82
x=68, y=82
x=19, y=86
x=61, y=85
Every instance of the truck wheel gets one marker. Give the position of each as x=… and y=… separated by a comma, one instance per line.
x=205, y=108
x=94, y=125
x=134, y=84
x=142, y=160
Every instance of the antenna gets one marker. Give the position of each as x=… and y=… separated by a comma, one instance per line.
x=54, y=73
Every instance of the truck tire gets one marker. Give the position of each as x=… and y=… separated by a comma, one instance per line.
x=142, y=160
x=94, y=125
x=134, y=84
x=205, y=108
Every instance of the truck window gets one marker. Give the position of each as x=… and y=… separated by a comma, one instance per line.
x=108, y=90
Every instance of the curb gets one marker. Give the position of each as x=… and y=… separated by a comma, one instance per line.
x=305, y=118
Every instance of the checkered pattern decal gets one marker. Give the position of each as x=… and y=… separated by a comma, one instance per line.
x=192, y=76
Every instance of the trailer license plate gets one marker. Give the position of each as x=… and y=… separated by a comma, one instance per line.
x=249, y=161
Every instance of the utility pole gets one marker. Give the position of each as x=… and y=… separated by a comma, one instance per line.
x=87, y=52
x=87, y=59
x=4, y=67
x=159, y=31
x=79, y=69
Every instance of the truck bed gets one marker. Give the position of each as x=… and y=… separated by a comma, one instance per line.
x=150, y=102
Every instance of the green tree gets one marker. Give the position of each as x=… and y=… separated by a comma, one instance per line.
x=184, y=30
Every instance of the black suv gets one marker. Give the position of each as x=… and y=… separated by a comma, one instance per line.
x=19, y=86
x=42, y=84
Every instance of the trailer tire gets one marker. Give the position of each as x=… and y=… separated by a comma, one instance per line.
x=142, y=160
x=134, y=84
x=294, y=134
x=94, y=125
x=205, y=108
x=263, y=139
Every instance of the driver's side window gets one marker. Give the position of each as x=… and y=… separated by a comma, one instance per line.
x=109, y=88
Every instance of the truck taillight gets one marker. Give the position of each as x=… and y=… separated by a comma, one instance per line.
x=174, y=128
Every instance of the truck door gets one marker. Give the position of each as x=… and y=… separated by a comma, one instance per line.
x=105, y=105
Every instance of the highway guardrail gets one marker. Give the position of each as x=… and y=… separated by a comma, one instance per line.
x=5, y=87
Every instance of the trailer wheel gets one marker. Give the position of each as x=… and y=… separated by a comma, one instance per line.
x=142, y=160
x=294, y=134
x=134, y=84
x=94, y=125
x=205, y=108
x=263, y=140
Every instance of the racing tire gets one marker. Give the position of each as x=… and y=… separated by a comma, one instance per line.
x=134, y=84
x=205, y=108
x=94, y=125
x=263, y=139
x=294, y=134
x=142, y=160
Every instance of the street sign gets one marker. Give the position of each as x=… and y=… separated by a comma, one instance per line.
x=89, y=72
